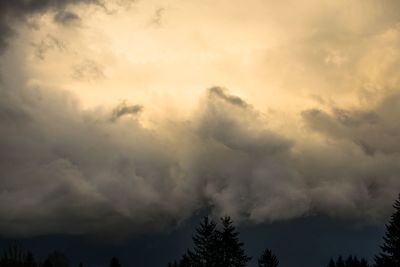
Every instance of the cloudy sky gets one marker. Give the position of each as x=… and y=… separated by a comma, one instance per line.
x=121, y=117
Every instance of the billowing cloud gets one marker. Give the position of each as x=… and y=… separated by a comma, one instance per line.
x=358, y=158
x=11, y=11
x=73, y=171
x=307, y=123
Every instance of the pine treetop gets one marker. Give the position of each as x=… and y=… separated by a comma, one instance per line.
x=390, y=255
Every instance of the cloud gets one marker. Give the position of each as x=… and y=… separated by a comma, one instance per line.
x=66, y=170
x=221, y=93
x=359, y=157
x=158, y=16
x=71, y=171
x=12, y=11
x=107, y=171
x=66, y=18
x=88, y=70
x=124, y=109
x=374, y=130
x=47, y=44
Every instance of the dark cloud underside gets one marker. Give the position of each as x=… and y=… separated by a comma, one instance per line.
x=12, y=11
x=65, y=170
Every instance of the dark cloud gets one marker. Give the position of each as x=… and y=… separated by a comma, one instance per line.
x=221, y=92
x=124, y=109
x=64, y=170
x=71, y=171
x=375, y=130
x=66, y=17
x=359, y=157
x=12, y=11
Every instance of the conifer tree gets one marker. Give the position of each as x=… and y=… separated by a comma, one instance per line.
x=47, y=263
x=115, y=262
x=268, y=259
x=350, y=261
x=331, y=263
x=390, y=255
x=230, y=249
x=364, y=263
x=205, y=242
x=185, y=261
x=340, y=262
x=57, y=259
x=173, y=264
x=13, y=256
x=30, y=260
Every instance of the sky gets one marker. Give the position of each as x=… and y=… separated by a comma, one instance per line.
x=123, y=118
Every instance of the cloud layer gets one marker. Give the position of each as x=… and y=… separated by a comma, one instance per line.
x=116, y=170
x=74, y=171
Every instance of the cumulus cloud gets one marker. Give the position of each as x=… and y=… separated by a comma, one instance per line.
x=73, y=171
x=106, y=171
x=359, y=157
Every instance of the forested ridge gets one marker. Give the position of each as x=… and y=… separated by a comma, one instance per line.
x=219, y=245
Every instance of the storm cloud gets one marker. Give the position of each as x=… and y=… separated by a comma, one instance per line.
x=13, y=11
x=128, y=167
x=73, y=171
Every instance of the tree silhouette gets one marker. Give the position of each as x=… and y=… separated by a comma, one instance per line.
x=340, y=262
x=47, y=263
x=185, y=261
x=390, y=255
x=364, y=263
x=115, y=262
x=331, y=263
x=205, y=242
x=230, y=249
x=268, y=259
x=57, y=259
x=15, y=256
x=172, y=264
x=351, y=261
x=30, y=260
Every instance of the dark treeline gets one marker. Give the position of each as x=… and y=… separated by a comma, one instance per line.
x=349, y=262
x=15, y=256
x=215, y=247
x=219, y=246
